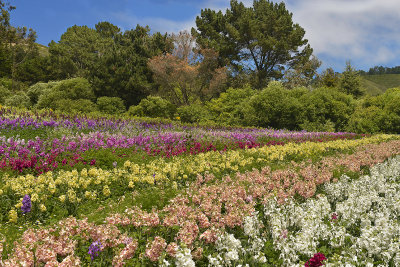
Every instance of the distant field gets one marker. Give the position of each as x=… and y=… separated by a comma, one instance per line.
x=376, y=84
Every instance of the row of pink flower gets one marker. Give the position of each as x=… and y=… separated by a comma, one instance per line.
x=49, y=154
x=200, y=215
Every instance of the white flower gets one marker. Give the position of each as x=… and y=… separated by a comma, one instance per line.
x=184, y=258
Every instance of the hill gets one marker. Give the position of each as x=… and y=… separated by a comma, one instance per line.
x=378, y=83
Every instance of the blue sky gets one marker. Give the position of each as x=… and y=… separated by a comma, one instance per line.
x=363, y=31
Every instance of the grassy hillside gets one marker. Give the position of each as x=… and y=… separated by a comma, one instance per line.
x=378, y=83
x=43, y=50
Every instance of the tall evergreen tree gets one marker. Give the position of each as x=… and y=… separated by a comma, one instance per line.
x=350, y=82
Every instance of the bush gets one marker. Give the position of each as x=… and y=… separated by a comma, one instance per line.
x=73, y=89
x=371, y=119
x=324, y=106
x=193, y=113
x=378, y=113
x=111, y=105
x=19, y=99
x=274, y=107
x=36, y=90
x=230, y=106
x=75, y=106
x=4, y=93
x=154, y=107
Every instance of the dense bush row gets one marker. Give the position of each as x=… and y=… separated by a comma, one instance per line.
x=320, y=109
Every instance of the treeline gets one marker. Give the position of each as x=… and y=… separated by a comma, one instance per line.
x=381, y=70
x=236, y=68
x=225, y=50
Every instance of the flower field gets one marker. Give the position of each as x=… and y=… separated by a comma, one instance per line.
x=94, y=191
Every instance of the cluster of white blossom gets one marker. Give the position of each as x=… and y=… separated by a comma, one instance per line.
x=232, y=252
x=359, y=217
x=184, y=258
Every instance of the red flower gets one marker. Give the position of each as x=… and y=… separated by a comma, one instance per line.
x=315, y=261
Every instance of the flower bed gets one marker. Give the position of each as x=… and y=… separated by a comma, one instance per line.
x=256, y=217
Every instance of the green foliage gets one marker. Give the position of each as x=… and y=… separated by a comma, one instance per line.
x=230, y=107
x=111, y=105
x=263, y=35
x=274, y=107
x=350, y=82
x=154, y=107
x=75, y=52
x=193, y=113
x=378, y=113
x=324, y=106
x=328, y=78
x=19, y=99
x=36, y=90
x=4, y=94
x=75, y=106
x=73, y=89
x=121, y=70
x=367, y=120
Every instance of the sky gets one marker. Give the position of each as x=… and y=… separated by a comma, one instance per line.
x=366, y=32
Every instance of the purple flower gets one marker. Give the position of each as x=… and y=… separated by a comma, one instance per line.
x=94, y=249
x=26, y=204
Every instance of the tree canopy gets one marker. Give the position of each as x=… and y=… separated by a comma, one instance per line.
x=261, y=39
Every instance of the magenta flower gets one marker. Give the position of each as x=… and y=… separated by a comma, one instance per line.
x=316, y=261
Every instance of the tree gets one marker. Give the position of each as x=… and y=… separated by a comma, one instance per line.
x=302, y=74
x=17, y=45
x=328, y=78
x=76, y=51
x=261, y=39
x=350, y=82
x=188, y=73
x=121, y=70
x=5, y=59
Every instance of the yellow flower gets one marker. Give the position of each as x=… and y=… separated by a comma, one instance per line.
x=42, y=208
x=127, y=164
x=106, y=191
x=62, y=198
x=1, y=191
x=34, y=197
x=174, y=185
x=71, y=195
x=13, y=216
x=88, y=194
x=131, y=184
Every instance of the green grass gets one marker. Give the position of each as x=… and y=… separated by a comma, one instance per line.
x=379, y=83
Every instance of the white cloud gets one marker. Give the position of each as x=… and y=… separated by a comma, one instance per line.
x=157, y=24
x=361, y=30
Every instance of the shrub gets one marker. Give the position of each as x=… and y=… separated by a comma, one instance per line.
x=230, y=106
x=4, y=94
x=111, y=105
x=154, y=107
x=193, y=113
x=274, y=107
x=371, y=119
x=19, y=99
x=36, y=90
x=324, y=106
x=75, y=106
x=74, y=89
